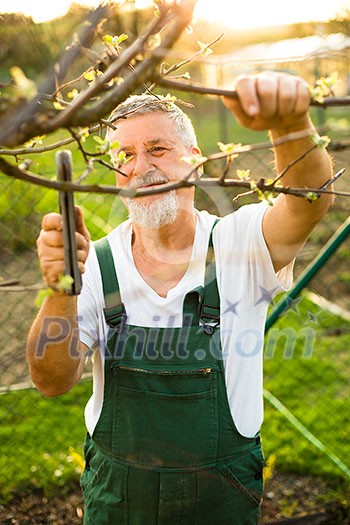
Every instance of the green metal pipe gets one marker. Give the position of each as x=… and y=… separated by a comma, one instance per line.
x=310, y=271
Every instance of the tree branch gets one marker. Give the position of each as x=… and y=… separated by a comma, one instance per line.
x=15, y=172
x=203, y=90
x=33, y=117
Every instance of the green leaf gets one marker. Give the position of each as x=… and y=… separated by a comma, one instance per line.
x=121, y=158
x=107, y=39
x=34, y=141
x=194, y=159
x=41, y=296
x=114, y=41
x=24, y=87
x=243, y=174
x=321, y=142
x=121, y=38
x=84, y=133
x=205, y=49
x=323, y=87
x=99, y=139
x=73, y=94
x=103, y=144
x=228, y=148
x=90, y=75
x=64, y=283
x=311, y=196
x=58, y=106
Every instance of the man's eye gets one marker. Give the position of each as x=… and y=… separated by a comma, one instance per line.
x=128, y=155
x=122, y=158
x=158, y=149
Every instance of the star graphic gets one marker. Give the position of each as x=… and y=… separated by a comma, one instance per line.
x=293, y=304
x=266, y=295
x=232, y=307
x=312, y=317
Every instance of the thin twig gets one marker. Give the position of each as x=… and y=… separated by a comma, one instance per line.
x=22, y=288
x=204, y=90
x=25, y=123
x=179, y=65
x=112, y=71
x=295, y=161
x=244, y=194
x=15, y=172
x=333, y=179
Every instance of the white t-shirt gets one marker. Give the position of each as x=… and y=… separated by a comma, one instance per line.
x=246, y=281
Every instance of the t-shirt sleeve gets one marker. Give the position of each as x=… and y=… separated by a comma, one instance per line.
x=89, y=303
x=242, y=250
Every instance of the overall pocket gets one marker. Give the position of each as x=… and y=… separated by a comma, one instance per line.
x=104, y=487
x=231, y=492
x=167, y=418
x=245, y=475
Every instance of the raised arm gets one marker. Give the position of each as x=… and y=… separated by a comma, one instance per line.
x=54, y=352
x=279, y=103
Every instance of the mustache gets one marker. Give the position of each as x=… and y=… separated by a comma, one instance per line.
x=148, y=180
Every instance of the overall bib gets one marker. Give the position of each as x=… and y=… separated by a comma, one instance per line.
x=165, y=450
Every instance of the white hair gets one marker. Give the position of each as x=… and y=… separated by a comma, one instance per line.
x=141, y=104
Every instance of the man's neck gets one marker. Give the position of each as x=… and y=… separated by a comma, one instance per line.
x=162, y=255
x=177, y=236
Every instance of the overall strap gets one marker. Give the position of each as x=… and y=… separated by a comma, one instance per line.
x=210, y=307
x=203, y=303
x=114, y=310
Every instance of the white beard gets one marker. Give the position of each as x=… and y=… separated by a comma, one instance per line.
x=160, y=212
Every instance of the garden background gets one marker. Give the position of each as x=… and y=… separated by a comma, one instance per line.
x=307, y=366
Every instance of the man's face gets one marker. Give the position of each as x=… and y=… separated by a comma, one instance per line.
x=153, y=153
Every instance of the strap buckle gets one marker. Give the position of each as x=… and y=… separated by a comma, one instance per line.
x=209, y=317
x=116, y=317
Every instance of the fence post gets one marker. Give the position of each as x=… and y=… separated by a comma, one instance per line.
x=310, y=271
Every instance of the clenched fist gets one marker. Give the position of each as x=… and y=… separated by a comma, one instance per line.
x=271, y=101
x=51, y=249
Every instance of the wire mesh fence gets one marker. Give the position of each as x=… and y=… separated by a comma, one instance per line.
x=22, y=207
x=20, y=216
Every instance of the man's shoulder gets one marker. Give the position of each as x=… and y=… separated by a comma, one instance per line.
x=117, y=232
x=245, y=213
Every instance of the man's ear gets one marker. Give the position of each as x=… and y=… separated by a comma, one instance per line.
x=197, y=151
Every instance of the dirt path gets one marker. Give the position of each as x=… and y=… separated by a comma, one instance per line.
x=289, y=499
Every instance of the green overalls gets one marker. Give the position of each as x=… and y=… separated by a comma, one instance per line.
x=165, y=450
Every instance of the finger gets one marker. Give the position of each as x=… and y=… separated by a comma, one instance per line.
x=51, y=238
x=287, y=95
x=81, y=241
x=302, y=102
x=52, y=270
x=247, y=95
x=54, y=255
x=81, y=266
x=267, y=90
x=52, y=221
x=80, y=224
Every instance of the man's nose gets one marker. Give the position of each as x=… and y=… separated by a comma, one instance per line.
x=142, y=163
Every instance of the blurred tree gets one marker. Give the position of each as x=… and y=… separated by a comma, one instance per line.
x=341, y=23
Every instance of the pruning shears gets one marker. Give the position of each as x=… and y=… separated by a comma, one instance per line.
x=66, y=204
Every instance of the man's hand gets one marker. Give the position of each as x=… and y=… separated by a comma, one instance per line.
x=51, y=249
x=279, y=102
x=271, y=101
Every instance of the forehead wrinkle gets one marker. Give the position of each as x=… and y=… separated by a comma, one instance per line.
x=150, y=142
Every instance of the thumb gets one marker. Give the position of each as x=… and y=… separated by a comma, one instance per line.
x=80, y=224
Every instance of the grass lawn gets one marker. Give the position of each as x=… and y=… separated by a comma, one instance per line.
x=307, y=368
x=41, y=439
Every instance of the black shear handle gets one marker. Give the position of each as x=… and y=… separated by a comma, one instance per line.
x=66, y=204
